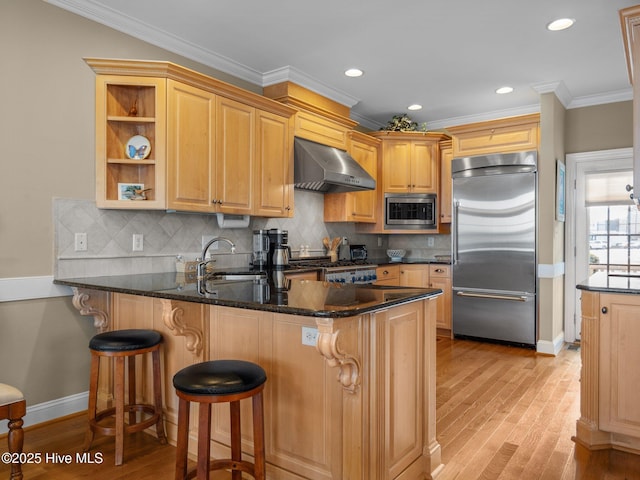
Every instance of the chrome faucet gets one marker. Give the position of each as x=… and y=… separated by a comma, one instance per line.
x=202, y=266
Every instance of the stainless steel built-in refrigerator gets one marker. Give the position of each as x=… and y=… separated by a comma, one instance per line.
x=494, y=247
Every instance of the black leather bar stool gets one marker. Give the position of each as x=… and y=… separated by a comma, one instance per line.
x=121, y=344
x=220, y=381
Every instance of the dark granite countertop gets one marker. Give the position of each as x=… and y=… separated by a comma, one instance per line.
x=601, y=282
x=302, y=297
x=408, y=261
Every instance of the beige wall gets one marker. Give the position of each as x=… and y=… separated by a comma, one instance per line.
x=601, y=127
x=47, y=151
x=550, y=230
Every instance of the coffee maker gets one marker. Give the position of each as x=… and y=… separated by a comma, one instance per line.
x=260, y=256
x=279, y=250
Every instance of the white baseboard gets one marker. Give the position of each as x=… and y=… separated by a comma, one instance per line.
x=46, y=411
x=551, y=348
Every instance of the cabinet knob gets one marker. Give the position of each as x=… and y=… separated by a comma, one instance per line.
x=604, y=310
x=439, y=270
x=287, y=208
x=214, y=201
x=385, y=272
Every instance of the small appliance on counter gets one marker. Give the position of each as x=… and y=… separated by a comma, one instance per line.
x=358, y=252
x=259, y=258
x=279, y=249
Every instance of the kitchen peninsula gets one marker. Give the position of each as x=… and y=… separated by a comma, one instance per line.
x=377, y=421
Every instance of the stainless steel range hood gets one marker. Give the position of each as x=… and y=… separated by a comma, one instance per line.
x=327, y=169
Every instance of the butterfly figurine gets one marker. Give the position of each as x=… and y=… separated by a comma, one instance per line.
x=137, y=152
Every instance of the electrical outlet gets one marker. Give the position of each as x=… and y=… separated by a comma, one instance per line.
x=309, y=336
x=430, y=241
x=138, y=242
x=81, y=242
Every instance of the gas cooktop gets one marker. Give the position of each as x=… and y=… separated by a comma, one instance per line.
x=325, y=262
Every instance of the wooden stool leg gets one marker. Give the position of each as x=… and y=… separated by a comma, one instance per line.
x=182, y=442
x=157, y=396
x=119, y=398
x=131, y=373
x=258, y=437
x=204, y=435
x=16, y=441
x=236, y=438
x=93, y=399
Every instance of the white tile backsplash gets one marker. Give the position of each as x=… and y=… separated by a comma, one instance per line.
x=168, y=234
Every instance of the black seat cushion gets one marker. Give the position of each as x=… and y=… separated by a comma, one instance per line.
x=219, y=377
x=125, y=340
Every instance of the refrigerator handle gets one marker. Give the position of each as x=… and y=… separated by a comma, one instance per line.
x=455, y=233
x=515, y=298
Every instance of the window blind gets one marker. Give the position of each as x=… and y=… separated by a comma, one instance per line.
x=608, y=188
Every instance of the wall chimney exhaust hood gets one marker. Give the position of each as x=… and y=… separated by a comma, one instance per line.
x=327, y=169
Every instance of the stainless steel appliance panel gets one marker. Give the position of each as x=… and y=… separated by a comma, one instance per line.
x=503, y=316
x=495, y=232
x=494, y=247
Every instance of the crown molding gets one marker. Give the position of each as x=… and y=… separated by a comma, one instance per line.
x=135, y=28
x=292, y=74
x=483, y=117
x=93, y=11
x=559, y=88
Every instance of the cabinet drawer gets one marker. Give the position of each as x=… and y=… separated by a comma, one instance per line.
x=439, y=271
x=388, y=272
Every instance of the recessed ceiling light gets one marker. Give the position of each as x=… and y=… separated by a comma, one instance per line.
x=560, y=24
x=354, y=72
x=415, y=106
x=502, y=90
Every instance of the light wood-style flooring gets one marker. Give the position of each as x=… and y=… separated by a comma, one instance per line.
x=503, y=413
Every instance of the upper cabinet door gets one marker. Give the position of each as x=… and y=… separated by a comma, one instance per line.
x=396, y=157
x=364, y=203
x=191, y=137
x=234, y=156
x=424, y=167
x=273, y=179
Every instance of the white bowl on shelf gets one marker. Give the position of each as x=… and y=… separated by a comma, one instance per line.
x=396, y=255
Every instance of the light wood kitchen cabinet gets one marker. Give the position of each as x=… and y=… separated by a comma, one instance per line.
x=609, y=408
x=445, y=197
x=356, y=206
x=214, y=147
x=273, y=179
x=440, y=277
x=513, y=134
x=125, y=107
x=235, y=157
x=191, y=174
x=423, y=276
x=414, y=276
x=321, y=130
x=409, y=163
x=388, y=275
x=619, y=361
x=226, y=156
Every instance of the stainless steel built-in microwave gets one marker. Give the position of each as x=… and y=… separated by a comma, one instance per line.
x=410, y=211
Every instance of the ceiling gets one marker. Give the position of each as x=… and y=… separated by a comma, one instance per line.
x=449, y=56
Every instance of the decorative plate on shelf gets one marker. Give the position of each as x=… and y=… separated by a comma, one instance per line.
x=137, y=147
